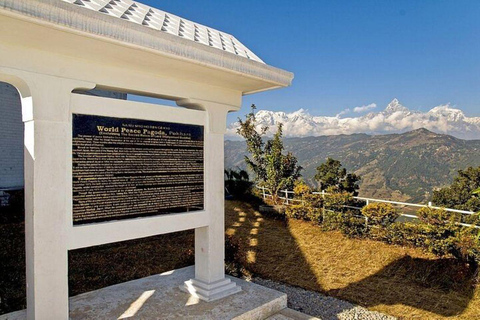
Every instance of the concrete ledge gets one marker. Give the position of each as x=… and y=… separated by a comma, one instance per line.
x=159, y=297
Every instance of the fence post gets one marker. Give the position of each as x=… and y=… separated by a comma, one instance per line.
x=429, y=204
x=367, y=202
x=263, y=191
x=323, y=206
x=286, y=196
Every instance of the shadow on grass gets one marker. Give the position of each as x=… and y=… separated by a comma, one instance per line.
x=442, y=287
x=266, y=243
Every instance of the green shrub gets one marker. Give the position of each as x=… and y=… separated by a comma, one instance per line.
x=309, y=206
x=309, y=210
x=313, y=200
x=438, y=228
x=352, y=224
x=467, y=245
x=301, y=189
x=380, y=214
x=331, y=220
x=337, y=200
x=315, y=214
x=471, y=219
x=405, y=234
x=437, y=216
x=297, y=212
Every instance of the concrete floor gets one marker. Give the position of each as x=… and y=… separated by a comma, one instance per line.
x=159, y=297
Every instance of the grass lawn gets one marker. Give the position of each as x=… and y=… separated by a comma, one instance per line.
x=403, y=282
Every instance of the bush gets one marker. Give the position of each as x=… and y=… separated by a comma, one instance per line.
x=313, y=200
x=309, y=210
x=299, y=212
x=352, y=224
x=437, y=216
x=337, y=200
x=380, y=214
x=438, y=229
x=467, y=244
x=301, y=189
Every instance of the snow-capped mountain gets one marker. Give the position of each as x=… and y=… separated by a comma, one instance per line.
x=395, y=118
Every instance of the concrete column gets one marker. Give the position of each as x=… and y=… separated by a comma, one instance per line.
x=210, y=282
x=48, y=194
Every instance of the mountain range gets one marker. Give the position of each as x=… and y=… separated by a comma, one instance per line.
x=404, y=167
x=395, y=118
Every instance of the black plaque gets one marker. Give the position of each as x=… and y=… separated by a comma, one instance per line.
x=127, y=168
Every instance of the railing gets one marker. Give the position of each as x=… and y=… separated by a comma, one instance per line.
x=288, y=200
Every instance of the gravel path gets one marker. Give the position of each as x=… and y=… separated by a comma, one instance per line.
x=321, y=306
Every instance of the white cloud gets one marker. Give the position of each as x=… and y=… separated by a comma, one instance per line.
x=365, y=108
x=341, y=113
x=394, y=119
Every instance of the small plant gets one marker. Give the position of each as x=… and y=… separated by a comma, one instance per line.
x=352, y=225
x=380, y=214
x=337, y=200
x=437, y=216
x=405, y=234
x=297, y=211
x=301, y=189
x=311, y=205
x=467, y=245
x=439, y=229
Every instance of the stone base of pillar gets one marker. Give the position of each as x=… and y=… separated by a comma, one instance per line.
x=210, y=291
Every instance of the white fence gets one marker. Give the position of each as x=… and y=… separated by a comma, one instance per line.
x=289, y=200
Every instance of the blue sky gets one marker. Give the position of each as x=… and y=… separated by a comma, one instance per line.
x=350, y=53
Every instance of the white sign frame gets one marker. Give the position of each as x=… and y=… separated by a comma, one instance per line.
x=93, y=234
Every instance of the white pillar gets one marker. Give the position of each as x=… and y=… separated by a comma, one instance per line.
x=48, y=194
x=210, y=283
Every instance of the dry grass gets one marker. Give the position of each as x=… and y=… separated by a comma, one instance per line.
x=404, y=282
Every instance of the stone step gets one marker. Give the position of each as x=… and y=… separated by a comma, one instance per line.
x=290, y=314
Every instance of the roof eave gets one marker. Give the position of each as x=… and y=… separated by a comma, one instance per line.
x=95, y=24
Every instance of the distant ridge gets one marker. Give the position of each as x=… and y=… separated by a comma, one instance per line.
x=406, y=166
x=395, y=118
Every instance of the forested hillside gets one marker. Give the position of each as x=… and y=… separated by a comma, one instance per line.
x=404, y=166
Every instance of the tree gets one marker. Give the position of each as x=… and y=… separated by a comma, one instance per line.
x=332, y=174
x=273, y=169
x=462, y=193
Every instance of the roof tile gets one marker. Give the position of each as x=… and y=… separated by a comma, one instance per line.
x=165, y=22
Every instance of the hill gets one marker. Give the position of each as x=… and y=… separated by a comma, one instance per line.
x=405, y=166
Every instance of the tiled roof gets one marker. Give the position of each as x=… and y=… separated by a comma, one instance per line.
x=165, y=22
